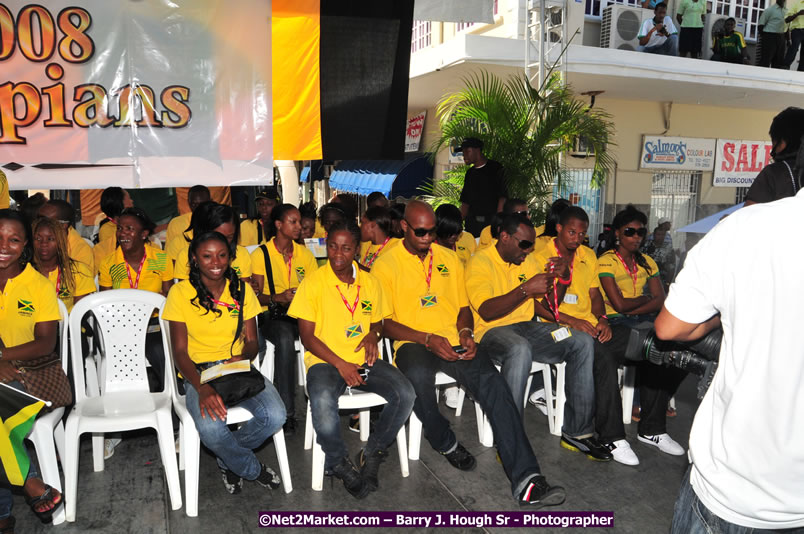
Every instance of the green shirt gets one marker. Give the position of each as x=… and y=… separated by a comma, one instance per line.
x=691, y=13
x=729, y=46
x=772, y=19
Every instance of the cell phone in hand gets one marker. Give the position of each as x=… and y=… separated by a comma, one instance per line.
x=459, y=349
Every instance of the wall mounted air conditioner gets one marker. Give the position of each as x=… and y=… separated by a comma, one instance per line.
x=620, y=26
x=582, y=148
x=713, y=24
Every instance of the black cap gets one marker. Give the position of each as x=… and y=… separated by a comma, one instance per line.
x=269, y=193
x=471, y=142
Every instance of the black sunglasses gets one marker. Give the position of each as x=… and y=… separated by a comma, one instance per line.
x=524, y=244
x=630, y=231
x=421, y=232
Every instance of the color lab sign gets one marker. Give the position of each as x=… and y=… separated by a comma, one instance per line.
x=677, y=153
x=737, y=163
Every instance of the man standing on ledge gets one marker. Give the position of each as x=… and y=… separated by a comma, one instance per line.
x=484, y=189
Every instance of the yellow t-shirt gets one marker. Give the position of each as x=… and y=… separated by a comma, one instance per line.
x=319, y=301
x=403, y=277
x=250, y=233
x=107, y=231
x=83, y=279
x=209, y=336
x=178, y=244
x=610, y=265
x=489, y=276
x=241, y=263
x=27, y=299
x=486, y=240
x=157, y=269
x=465, y=247
x=577, y=301
x=175, y=232
x=5, y=198
x=370, y=252
x=302, y=263
x=101, y=250
x=319, y=230
x=79, y=250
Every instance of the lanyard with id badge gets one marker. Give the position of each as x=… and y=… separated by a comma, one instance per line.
x=428, y=300
x=355, y=328
x=561, y=333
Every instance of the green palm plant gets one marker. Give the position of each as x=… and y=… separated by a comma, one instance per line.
x=524, y=128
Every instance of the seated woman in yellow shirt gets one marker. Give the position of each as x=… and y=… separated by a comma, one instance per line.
x=450, y=232
x=203, y=316
x=375, y=235
x=340, y=311
x=27, y=332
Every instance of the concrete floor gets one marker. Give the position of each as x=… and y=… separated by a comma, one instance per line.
x=131, y=494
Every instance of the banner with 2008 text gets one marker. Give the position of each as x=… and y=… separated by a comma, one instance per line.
x=135, y=94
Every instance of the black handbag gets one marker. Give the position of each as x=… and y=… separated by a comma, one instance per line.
x=235, y=388
x=276, y=310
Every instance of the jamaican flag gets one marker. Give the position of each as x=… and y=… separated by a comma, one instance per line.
x=18, y=411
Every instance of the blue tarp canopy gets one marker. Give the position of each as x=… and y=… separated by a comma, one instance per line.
x=389, y=177
x=314, y=170
x=707, y=223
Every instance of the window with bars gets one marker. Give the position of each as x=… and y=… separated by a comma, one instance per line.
x=747, y=10
x=594, y=8
x=740, y=193
x=674, y=194
x=576, y=186
x=422, y=35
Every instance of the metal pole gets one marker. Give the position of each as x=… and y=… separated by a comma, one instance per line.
x=542, y=56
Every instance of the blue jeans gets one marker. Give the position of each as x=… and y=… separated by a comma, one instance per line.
x=796, y=37
x=690, y=516
x=325, y=385
x=667, y=48
x=6, y=497
x=283, y=333
x=235, y=449
x=488, y=388
x=517, y=346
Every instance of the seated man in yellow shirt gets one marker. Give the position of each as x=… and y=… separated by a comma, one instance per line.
x=340, y=311
x=178, y=227
x=78, y=249
x=503, y=282
x=432, y=325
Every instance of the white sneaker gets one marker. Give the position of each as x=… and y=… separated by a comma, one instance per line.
x=451, y=397
x=537, y=399
x=108, y=447
x=664, y=443
x=622, y=452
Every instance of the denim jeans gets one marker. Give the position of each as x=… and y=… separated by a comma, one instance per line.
x=6, y=497
x=796, y=37
x=518, y=345
x=235, y=449
x=667, y=48
x=325, y=385
x=690, y=516
x=283, y=334
x=488, y=388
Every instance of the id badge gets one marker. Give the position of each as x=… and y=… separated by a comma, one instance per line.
x=561, y=334
x=570, y=298
x=428, y=301
x=354, y=330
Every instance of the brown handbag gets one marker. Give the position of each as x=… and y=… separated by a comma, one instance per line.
x=44, y=378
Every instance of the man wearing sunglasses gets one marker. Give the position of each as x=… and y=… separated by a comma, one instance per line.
x=433, y=328
x=484, y=190
x=503, y=282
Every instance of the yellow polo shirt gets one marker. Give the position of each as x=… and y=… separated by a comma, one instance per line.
x=465, y=247
x=79, y=250
x=794, y=7
x=5, y=198
x=318, y=300
x=107, y=231
x=101, y=250
x=403, y=279
x=175, y=232
x=250, y=234
x=369, y=251
x=302, y=263
x=209, y=336
x=27, y=299
x=157, y=269
x=83, y=279
x=577, y=301
x=489, y=276
x=610, y=265
x=241, y=263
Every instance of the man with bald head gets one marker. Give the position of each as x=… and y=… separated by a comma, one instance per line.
x=433, y=328
x=63, y=212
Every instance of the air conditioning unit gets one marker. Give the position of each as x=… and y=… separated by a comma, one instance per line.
x=715, y=24
x=582, y=148
x=620, y=26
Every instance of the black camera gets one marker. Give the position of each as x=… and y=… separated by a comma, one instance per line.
x=699, y=357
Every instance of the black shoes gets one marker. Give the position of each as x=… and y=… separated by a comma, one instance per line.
x=268, y=478
x=370, y=466
x=352, y=480
x=290, y=426
x=538, y=493
x=232, y=482
x=591, y=447
x=460, y=458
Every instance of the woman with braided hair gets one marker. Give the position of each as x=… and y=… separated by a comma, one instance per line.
x=203, y=316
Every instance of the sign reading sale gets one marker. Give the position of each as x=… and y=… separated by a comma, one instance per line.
x=737, y=163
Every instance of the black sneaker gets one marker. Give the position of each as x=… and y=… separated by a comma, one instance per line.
x=352, y=480
x=370, y=466
x=460, y=458
x=268, y=478
x=591, y=447
x=539, y=493
x=232, y=482
x=354, y=424
x=290, y=426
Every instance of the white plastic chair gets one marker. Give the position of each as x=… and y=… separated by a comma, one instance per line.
x=190, y=441
x=49, y=428
x=627, y=375
x=555, y=402
x=125, y=402
x=358, y=400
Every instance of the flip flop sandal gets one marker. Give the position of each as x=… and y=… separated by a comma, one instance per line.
x=47, y=515
x=8, y=529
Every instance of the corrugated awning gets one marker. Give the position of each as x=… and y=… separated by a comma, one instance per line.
x=390, y=177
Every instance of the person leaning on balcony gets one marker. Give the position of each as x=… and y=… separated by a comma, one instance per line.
x=658, y=35
x=484, y=190
x=729, y=46
x=782, y=178
x=772, y=28
x=795, y=20
x=690, y=16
